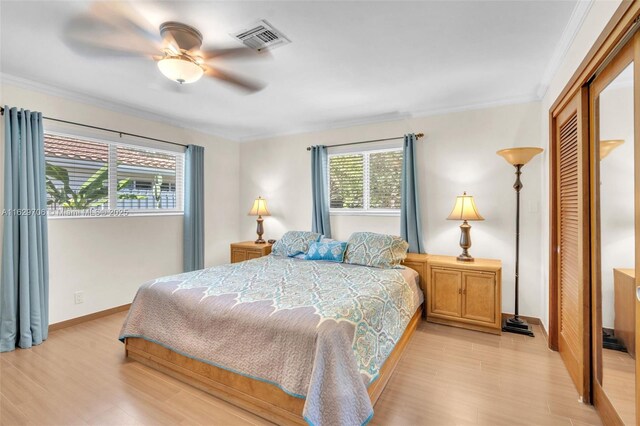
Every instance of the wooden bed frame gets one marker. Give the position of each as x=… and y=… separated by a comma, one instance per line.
x=263, y=399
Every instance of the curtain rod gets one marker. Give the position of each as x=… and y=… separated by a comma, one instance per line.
x=105, y=129
x=418, y=136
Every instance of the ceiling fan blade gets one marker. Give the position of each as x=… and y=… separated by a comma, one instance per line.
x=233, y=52
x=105, y=43
x=245, y=84
x=122, y=15
x=170, y=43
x=93, y=36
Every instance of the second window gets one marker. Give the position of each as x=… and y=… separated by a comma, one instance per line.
x=366, y=182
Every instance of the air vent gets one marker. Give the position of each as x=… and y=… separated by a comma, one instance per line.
x=262, y=36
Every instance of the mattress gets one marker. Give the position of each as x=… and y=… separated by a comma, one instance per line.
x=317, y=330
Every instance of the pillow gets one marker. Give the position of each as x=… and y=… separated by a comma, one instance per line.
x=377, y=250
x=332, y=251
x=294, y=242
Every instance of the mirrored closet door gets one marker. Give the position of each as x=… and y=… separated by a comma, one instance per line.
x=613, y=216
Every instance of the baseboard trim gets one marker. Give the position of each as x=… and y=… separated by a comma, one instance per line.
x=90, y=317
x=530, y=320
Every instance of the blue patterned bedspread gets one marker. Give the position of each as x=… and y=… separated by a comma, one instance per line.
x=318, y=330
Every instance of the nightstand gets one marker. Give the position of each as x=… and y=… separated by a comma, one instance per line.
x=248, y=250
x=465, y=294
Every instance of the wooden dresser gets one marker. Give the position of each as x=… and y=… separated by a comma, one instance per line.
x=465, y=294
x=246, y=250
x=624, y=284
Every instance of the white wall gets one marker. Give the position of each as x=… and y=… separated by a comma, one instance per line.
x=108, y=258
x=593, y=24
x=458, y=154
x=617, y=238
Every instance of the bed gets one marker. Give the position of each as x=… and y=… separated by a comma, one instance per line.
x=294, y=341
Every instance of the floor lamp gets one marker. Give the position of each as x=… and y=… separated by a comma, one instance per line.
x=518, y=157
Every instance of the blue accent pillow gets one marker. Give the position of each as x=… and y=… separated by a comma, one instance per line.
x=332, y=251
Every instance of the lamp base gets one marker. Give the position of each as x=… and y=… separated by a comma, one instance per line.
x=518, y=326
x=260, y=231
x=465, y=242
x=465, y=257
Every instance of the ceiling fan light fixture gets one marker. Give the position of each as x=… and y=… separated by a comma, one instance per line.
x=181, y=70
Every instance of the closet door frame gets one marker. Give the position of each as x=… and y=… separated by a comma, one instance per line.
x=612, y=36
x=608, y=74
x=577, y=359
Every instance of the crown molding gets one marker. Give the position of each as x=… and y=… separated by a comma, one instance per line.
x=578, y=15
x=329, y=125
x=386, y=118
x=511, y=100
x=108, y=104
x=123, y=108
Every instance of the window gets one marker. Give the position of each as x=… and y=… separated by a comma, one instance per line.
x=87, y=175
x=365, y=182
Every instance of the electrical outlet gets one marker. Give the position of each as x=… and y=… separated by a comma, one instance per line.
x=78, y=297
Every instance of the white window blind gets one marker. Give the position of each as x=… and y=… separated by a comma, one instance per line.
x=367, y=181
x=84, y=174
x=385, y=175
x=346, y=181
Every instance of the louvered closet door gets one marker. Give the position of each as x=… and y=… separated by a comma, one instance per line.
x=572, y=238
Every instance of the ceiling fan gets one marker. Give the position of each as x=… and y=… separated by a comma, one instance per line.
x=116, y=28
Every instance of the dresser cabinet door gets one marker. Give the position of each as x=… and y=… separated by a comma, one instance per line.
x=446, y=289
x=238, y=255
x=479, y=296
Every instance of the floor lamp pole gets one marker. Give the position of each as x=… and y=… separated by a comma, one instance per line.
x=516, y=324
x=517, y=186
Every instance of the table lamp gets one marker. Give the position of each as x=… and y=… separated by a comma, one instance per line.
x=259, y=209
x=465, y=209
x=518, y=157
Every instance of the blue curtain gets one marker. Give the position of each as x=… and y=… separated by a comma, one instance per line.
x=24, y=284
x=194, y=208
x=410, y=229
x=320, y=222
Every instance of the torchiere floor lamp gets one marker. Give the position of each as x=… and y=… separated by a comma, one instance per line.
x=518, y=157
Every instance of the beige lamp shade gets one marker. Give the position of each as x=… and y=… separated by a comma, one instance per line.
x=609, y=145
x=259, y=208
x=519, y=156
x=465, y=209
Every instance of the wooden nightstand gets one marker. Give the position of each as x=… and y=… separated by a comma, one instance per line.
x=465, y=294
x=248, y=250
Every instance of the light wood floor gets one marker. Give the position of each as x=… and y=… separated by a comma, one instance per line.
x=446, y=377
x=619, y=383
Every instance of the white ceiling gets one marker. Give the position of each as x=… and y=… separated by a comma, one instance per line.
x=348, y=63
